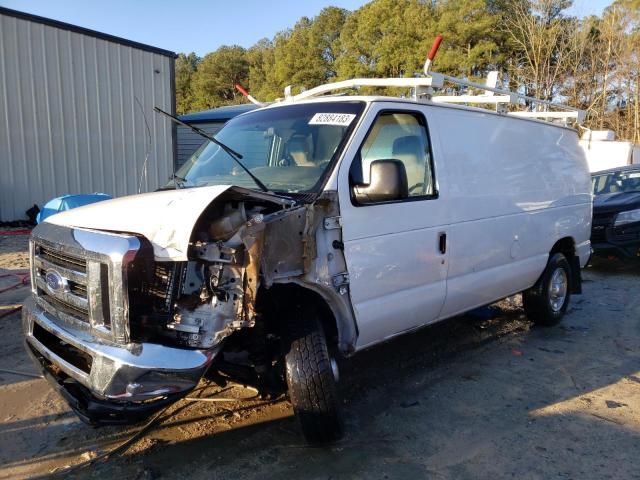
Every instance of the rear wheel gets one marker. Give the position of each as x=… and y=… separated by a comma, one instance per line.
x=546, y=302
x=311, y=378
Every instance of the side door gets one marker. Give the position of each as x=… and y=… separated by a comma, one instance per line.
x=395, y=250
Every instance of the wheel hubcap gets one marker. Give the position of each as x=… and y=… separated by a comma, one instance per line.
x=558, y=287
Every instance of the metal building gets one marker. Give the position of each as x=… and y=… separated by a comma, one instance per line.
x=187, y=141
x=76, y=113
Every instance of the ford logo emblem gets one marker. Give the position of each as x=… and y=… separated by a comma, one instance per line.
x=54, y=281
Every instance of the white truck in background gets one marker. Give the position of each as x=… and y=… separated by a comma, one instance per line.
x=604, y=152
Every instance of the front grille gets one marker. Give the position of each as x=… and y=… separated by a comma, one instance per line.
x=79, y=277
x=599, y=227
x=64, y=307
x=62, y=260
x=598, y=235
x=78, y=289
x=626, y=233
x=70, y=271
x=603, y=230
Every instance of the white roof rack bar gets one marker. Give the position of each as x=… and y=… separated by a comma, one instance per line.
x=521, y=96
x=474, y=99
x=578, y=115
x=435, y=80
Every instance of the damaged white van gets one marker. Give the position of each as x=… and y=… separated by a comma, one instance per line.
x=312, y=228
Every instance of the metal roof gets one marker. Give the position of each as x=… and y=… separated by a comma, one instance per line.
x=74, y=111
x=85, y=31
x=221, y=114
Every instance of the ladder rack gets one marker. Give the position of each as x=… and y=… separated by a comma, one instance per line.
x=423, y=89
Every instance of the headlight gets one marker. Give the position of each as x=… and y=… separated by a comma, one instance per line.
x=627, y=217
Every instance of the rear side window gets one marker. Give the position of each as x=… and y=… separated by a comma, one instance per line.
x=400, y=136
x=599, y=184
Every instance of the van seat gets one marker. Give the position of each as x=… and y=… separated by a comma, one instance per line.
x=298, y=148
x=410, y=151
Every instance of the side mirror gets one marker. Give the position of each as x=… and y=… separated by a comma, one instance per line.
x=388, y=182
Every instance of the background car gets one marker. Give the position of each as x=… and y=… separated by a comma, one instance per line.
x=615, y=230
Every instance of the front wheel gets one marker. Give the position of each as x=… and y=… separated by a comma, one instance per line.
x=310, y=374
x=546, y=302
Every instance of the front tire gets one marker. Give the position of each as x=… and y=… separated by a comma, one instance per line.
x=310, y=379
x=546, y=302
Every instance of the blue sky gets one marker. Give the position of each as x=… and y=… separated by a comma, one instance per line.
x=199, y=25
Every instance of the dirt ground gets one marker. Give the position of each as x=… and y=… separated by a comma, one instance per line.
x=485, y=395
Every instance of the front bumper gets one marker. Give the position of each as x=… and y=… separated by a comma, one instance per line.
x=105, y=383
x=619, y=251
x=617, y=241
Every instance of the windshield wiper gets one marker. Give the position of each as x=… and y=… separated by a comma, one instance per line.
x=232, y=153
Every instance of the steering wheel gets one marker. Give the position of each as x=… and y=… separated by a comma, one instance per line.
x=417, y=185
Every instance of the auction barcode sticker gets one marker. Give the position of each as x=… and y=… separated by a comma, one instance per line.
x=340, y=119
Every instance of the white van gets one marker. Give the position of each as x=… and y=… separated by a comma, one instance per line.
x=310, y=229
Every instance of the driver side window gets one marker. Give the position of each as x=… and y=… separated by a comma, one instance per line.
x=400, y=136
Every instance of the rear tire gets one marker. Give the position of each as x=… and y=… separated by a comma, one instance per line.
x=310, y=379
x=546, y=302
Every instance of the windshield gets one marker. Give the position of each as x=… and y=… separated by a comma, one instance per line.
x=288, y=148
x=616, y=182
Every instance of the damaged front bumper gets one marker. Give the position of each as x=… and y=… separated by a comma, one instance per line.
x=105, y=383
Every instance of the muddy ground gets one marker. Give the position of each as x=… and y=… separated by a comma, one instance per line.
x=485, y=395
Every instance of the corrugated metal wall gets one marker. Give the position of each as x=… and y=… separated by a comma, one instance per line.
x=69, y=119
x=187, y=141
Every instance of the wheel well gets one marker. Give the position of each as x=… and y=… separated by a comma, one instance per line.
x=565, y=246
x=276, y=300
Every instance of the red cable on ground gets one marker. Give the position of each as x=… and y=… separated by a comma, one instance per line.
x=24, y=280
x=10, y=311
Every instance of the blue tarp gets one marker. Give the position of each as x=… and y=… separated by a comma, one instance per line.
x=67, y=202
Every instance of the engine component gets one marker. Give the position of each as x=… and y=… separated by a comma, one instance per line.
x=220, y=280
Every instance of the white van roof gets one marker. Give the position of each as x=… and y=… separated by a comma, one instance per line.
x=410, y=101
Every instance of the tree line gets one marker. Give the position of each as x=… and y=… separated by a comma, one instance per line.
x=592, y=63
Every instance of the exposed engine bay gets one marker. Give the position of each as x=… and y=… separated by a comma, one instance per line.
x=199, y=302
x=218, y=287
x=239, y=246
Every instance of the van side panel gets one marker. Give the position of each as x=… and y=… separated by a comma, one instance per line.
x=513, y=187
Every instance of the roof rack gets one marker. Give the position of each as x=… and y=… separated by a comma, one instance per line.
x=423, y=89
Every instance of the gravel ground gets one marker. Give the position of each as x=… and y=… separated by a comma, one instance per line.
x=485, y=395
x=13, y=250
